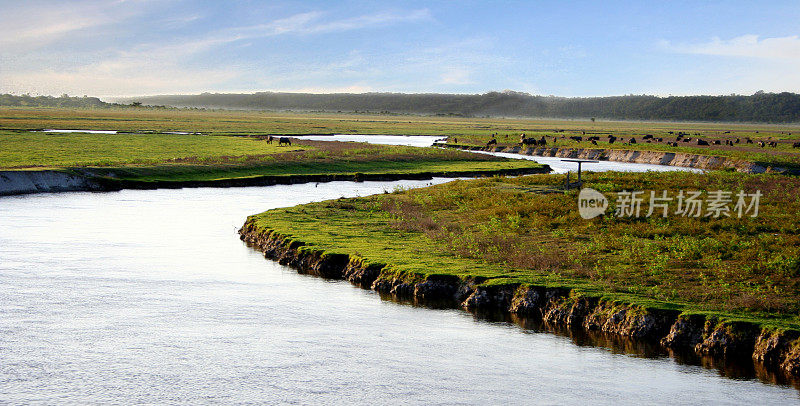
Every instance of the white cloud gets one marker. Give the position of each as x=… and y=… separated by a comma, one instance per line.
x=26, y=26
x=151, y=68
x=743, y=46
x=312, y=23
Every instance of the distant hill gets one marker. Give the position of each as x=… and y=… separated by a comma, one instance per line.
x=760, y=107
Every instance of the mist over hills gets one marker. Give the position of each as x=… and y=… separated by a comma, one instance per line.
x=760, y=107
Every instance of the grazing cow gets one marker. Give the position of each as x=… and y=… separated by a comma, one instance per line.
x=701, y=142
x=284, y=140
x=796, y=145
x=716, y=142
x=737, y=141
x=632, y=141
x=542, y=141
x=611, y=139
x=594, y=142
x=761, y=144
x=647, y=137
x=491, y=142
x=270, y=139
x=527, y=141
x=576, y=139
x=773, y=144
x=748, y=140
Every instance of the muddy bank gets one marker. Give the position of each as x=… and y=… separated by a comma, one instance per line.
x=25, y=182
x=682, y=159
x=769, y=349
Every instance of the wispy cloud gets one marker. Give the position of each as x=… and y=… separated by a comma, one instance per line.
x=31, y=25
x=159, y=67
x=750, y=46
x=314, y=23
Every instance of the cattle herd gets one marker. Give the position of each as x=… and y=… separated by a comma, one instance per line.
x=681, y=138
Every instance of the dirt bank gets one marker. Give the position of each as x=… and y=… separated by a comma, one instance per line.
x=773, y=349
x=24, y=182
x=707, y=162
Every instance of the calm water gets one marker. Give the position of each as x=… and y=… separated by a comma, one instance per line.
x=150, y=297
x=413, y=141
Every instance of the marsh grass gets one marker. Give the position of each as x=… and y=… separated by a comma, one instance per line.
x=521, y=230
x=171, y=157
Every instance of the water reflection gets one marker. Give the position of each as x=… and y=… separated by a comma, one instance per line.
x=738, y=369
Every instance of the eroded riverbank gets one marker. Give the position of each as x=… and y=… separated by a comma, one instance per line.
x=679, y=159
x=770, y=349
x=26, y=182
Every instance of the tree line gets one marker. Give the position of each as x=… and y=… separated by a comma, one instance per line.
x=759, y=107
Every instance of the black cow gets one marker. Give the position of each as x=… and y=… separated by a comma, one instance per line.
x=491, y=142
x=284, y=140
x=701, y=142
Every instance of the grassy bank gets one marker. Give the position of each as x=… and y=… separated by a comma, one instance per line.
x=178, y=157
x=527, y=230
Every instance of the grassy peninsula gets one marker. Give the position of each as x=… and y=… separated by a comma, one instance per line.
x=528, y=230
x=156, y=157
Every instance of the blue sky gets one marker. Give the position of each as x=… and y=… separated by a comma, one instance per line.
x=592, y=48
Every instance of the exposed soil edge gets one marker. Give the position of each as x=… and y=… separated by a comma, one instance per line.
x=26, y=182
x=773, y=349
x=682, y=159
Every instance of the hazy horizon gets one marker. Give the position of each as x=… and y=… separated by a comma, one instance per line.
x=141, y=48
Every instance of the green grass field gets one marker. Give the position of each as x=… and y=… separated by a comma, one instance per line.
x=176, y=157
x=469, y=131
x=528, y=230
x=32, y=149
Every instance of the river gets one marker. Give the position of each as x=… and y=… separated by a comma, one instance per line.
x=149, y=297
x=556, y=164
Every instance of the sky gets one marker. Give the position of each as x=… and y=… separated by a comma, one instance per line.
x=592, y=48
